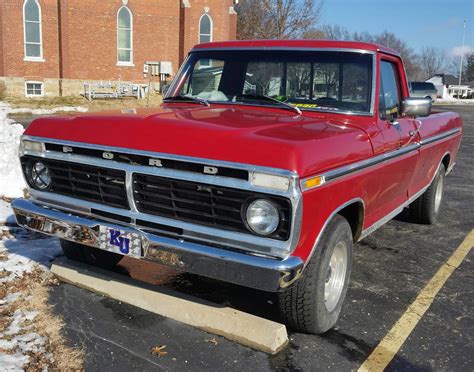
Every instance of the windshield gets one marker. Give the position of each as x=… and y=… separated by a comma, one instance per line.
x=310, y=80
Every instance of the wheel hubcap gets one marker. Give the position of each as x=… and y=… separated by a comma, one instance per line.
x=336, y=275
x=438, y=194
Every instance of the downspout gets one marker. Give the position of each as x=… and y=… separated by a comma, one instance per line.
x=182, y=26
x=60, y=50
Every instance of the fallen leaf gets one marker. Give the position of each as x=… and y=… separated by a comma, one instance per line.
x=212, y=341
x=158, y=350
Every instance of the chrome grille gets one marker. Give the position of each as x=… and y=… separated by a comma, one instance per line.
x=101, y=185
x=200, y=203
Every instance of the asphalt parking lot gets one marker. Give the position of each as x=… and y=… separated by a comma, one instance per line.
x=391, y=267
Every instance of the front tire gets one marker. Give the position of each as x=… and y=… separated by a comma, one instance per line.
x=426, y=208
x=314, y=303
x=92, y=256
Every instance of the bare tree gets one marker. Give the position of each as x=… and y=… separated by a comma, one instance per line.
x=276, y=19
x=314, y=33
x=385, y=38
x=336, y=32
x=432, y=61
x=390, y=40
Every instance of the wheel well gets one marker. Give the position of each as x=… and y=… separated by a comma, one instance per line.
x=446, y=161
x=354, y=214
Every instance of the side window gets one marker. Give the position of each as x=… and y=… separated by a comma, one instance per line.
x=389, y=95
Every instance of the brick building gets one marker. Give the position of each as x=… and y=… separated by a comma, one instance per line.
x=50, y=47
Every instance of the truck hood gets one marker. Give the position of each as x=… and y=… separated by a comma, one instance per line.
x=269, y=137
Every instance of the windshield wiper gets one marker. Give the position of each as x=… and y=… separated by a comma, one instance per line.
x=188, y=99
x=257, y=97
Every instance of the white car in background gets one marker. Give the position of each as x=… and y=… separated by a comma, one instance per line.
x=423, y=89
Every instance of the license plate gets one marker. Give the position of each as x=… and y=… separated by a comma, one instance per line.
x=121, y=242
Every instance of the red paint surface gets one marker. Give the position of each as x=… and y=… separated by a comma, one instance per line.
x=307, y=144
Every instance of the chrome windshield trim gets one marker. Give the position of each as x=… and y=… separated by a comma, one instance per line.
x=282, y=48
x=340, y=112
x=374, y=84
x=343, y=112
x=181, y=75
x=176, y=82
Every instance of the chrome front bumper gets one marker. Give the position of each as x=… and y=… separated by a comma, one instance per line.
x=267, y=274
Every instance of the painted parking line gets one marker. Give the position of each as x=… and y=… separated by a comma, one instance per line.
x=393, y=341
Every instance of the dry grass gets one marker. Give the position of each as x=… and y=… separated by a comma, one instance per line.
x=3, y=90
x=93, y=106
x=34, y=288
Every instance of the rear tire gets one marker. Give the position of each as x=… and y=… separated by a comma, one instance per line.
x=314, y=303
x=426, y=208
x=92, y=256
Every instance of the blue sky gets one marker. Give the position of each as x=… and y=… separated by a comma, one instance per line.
x=419, y=22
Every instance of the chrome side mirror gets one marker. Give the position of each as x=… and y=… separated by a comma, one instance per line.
x=414, y=107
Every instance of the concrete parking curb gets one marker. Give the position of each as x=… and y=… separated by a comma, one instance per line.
x=246, y=329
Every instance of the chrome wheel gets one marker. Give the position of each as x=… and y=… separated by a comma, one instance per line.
x=438, y=194
x=336, y=275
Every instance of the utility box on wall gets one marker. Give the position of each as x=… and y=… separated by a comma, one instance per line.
x=166, y=68
x=158, y=68
x=163, y=70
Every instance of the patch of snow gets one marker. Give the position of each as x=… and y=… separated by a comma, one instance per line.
x=29, y=111
x=24, y=255
x=13, y=362
x=12, y=297
x=11, y=177
x=27, y=342
x=19, y=317
x=454, y=101
x=6, y=213
x=25, y=252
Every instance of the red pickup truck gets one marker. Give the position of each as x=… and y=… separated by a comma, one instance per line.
x=264, y=165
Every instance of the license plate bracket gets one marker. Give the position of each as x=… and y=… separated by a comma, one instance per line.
x=119, y=241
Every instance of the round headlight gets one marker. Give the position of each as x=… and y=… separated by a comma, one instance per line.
x=263, y=217
x=40, y=176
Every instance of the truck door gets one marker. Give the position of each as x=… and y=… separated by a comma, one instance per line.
x=396, y=174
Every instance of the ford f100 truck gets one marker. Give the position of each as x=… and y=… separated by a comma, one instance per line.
x=264, y=165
